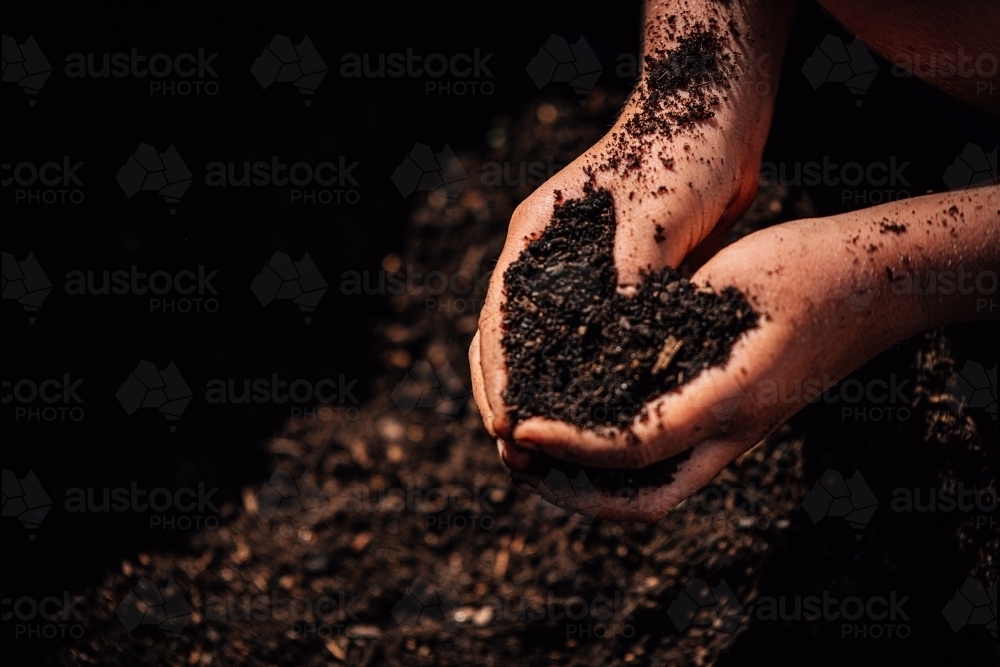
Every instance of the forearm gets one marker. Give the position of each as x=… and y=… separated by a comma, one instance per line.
x=733, y=49
x=927, y=261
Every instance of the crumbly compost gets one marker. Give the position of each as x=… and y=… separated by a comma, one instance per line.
x=578, y=351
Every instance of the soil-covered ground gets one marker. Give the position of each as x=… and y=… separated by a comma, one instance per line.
x=403, y=542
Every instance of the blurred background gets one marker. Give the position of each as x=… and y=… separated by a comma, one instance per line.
x=372, y=488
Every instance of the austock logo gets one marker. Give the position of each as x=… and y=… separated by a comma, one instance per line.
x=323, y=616
x=183, y=75
x=148, y=604
x=284, y=62
x=973, y=604
x=283, y=279
x=872, y=177
x=974, y=387
x=874, y=617
x=26, y=500
x=559, y=62
x=297, y=499
x=436, y=66
x=426, y=171
x=980, y=504
x=336, y=179
x=335, y=395
x=184, y=508
x=854, y=501
x=875, y=400
x=832, y=496
x=458, y=291
x=423, y=386
x=195, y=289
x=163, y=390
x=49, y=617
x=534, y=173
x=972, y=166
x=703, y=605
x=425, y=604
x=40, y=183
x=164, y=173
x=442, y=507
x=59, y=398
x=25, y=282
x=835, y=62
x=25, y=65
x=741, y=507
x=559, y=496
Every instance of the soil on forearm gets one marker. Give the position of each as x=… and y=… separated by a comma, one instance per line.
x=580, y=352
x=680, y=88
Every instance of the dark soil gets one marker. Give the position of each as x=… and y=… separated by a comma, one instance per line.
x=696, y=63
x=579, y=351
x=886, y=227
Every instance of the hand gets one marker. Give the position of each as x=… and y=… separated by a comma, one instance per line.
x=830, y=296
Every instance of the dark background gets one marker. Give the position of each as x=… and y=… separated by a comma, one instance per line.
x=235, y=231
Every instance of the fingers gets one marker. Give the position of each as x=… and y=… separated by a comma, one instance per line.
x=478, y=388
x=707, y=459
x=569, y=443
x=667, y=426
x=651, y=504
x=528, y=221
x=513, y=457
x=703, y=409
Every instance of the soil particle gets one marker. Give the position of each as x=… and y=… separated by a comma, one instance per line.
x=579, y=351
x=886, y=227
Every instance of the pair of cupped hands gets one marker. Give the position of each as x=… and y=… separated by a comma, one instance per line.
x=818, y=284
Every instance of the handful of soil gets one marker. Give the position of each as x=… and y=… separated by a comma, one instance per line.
x=578, y=351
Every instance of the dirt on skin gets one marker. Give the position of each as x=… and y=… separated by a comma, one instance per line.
x=579, y=351
x=679, y=89
x=696, y=63
x=886, y=227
